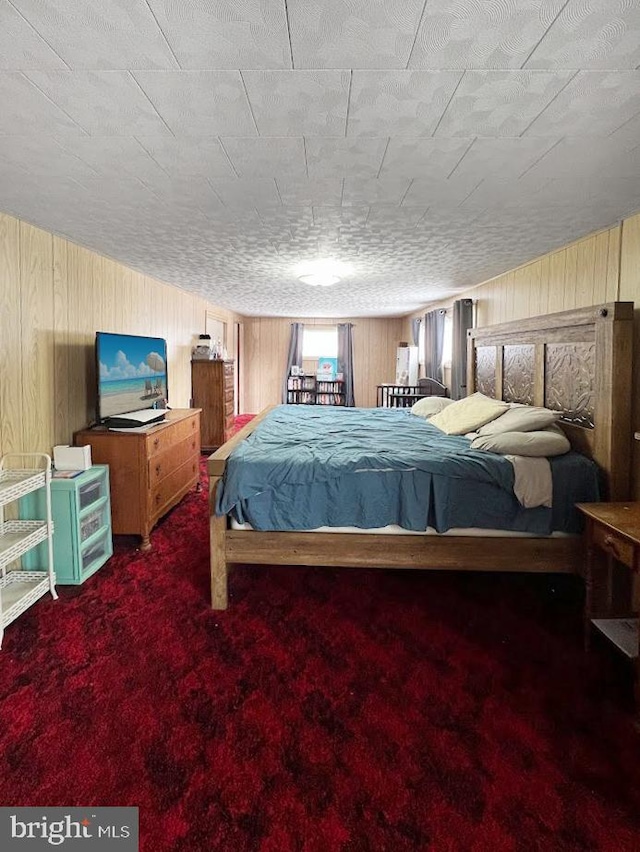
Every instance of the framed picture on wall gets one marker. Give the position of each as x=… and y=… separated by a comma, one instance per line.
x=327, y=369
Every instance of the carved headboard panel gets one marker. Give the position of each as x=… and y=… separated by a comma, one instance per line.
x=577, y=362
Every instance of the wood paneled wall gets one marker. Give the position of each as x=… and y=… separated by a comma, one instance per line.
x=581, y=274
x=575, y=276
x=54, y=296
x=266, y=343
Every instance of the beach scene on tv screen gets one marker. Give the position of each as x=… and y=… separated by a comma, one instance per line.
x=132, y=373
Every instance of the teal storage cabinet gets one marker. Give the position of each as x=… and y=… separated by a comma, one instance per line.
x=81, y=513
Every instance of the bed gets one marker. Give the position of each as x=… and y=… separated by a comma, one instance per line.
x=576, y=362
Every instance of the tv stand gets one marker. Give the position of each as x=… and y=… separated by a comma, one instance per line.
x=150, y=471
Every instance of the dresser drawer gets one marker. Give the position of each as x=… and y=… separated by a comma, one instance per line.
x=163, y=464
x=228, y=371
x=228, y=395
x=160, y=441
x=164, y=492
x=613, y=543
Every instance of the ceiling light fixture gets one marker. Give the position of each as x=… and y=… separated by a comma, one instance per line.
x=319, y=279
x=322, y=272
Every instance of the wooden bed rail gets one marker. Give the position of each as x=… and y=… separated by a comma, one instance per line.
x=216, y=464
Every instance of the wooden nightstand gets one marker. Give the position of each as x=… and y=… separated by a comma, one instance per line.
x=613, y=529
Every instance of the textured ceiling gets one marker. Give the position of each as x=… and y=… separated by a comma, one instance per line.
x=219, y=144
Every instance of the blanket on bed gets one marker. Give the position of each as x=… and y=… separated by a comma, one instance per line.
x=306, y=467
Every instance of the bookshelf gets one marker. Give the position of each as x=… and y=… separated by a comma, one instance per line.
x=307, y=390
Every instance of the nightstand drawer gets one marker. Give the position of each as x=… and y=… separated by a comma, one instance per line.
x=614, y=544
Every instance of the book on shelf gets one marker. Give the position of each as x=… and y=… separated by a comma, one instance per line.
x=329, y=399
x=330, y=387
x=300, y=397
x=301, y=383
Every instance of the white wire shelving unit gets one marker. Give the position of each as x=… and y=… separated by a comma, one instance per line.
x=20, y=474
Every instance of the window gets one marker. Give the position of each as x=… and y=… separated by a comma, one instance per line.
x=320, y=341
x=447, y=342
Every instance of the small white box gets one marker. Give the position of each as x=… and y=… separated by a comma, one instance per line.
x=71, y=458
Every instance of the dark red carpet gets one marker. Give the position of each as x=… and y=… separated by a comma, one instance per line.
x=242, y=420
x=346, y=710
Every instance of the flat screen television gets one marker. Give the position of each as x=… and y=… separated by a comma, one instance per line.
x=131, y=372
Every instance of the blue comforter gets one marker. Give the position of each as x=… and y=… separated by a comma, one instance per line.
x=305, y=467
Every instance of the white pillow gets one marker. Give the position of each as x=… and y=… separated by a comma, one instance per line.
x=430, y=405
x=521, y=418
x=466, y=415
x=547, y=442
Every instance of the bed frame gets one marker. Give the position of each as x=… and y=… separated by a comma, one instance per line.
x=578, y=362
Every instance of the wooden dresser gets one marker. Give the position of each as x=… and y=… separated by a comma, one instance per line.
x=212, y=391
x=150, y=471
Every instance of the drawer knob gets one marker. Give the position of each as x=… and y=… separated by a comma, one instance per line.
x=157, y=499
x=610, y=543
x=158, y=469
x=156, y=443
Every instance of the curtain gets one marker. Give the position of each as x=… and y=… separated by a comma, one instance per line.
x=345, y=360
x=294, y=356
x=462, y=321
x=415, y=331
x=433, y=343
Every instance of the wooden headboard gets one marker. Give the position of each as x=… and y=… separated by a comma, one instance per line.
x=578, y=362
